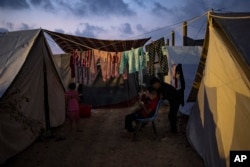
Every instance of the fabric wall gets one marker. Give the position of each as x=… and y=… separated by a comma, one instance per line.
x=99, y=93
x=63, y=68
x=56, y=93
x=14, y=135
x=189, y=57
x=22, y=107
x=223, y=104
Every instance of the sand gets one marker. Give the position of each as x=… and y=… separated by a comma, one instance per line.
x=103, y=142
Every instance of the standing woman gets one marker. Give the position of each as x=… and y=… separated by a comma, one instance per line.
x=168, y=92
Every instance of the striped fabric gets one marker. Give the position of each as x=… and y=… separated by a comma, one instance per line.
x=70, y=42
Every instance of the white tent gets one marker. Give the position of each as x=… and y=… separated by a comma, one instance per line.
x=220, y=120
x=31, y=92
x=189, y=57
x=63, y=68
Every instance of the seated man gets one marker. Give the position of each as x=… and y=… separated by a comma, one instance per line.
x=146, y=110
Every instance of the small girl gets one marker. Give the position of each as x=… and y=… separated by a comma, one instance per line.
x=72, y=105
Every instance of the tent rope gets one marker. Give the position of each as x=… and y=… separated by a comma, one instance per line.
x=230, y=17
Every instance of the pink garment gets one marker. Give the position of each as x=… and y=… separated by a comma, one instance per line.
x=95, y=57
x=109, y=61
x=109, y=64
x=72, y=101
x=115, y=65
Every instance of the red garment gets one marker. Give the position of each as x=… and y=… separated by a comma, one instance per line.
x=152, y=104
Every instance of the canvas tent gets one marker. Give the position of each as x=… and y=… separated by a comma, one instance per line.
x=189, y=57
x=31, y=92
x=220, y=119
x=97, y=93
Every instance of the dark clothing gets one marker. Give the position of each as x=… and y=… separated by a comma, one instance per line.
x=153, y=49
x=181, y=96
x=182, y=80
x=169, y=93
x=130, y=118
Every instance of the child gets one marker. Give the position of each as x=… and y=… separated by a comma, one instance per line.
x=72, y=104
x=146, y=110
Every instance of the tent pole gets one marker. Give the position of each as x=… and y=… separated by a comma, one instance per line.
x=184, y=26
x=173, y=38
x=46, y=102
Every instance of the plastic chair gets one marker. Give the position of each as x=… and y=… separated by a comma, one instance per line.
x=150, y=119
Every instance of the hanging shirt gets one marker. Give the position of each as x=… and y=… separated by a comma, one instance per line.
x=93, y=64
x=115, y=64
x=164, y=50
x=124, y=64
x=140, y=59
x=132, y=61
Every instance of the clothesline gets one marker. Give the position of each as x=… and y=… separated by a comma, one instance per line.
x=117, y=42
x=229, y=17
x=189, y=21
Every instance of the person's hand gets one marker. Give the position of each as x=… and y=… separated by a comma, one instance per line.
x=141, y=103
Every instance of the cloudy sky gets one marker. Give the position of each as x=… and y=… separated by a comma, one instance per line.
x=112, y=19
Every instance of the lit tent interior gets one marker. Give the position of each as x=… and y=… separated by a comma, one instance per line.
x=220, y=119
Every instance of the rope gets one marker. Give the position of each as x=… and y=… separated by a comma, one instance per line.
x=189, y=22
x=69, y=40
x=230, y=17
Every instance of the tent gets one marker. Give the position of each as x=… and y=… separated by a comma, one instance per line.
x=31, y=92
x=189, y=57
x=220, y=119
x=97, y=93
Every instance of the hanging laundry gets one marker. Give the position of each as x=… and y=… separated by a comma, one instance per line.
x=140, y=60
x=135, y=59
x=116, y=57
x=86, y=61
x=72, y=64
x=153, y=49
x=77, y=65
x=132, y=61
x=124, y=65
x=164, y=50
x=109, y=62
x=93, y=63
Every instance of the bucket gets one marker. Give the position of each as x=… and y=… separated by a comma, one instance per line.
x=85, y=110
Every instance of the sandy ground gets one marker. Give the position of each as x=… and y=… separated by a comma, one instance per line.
x=102, y=143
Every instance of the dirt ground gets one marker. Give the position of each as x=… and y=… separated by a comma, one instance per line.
x=103, y=143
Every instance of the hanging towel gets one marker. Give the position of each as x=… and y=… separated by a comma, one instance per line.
x=153, y=49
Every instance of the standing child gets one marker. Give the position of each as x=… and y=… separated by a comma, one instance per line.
x=72, y=104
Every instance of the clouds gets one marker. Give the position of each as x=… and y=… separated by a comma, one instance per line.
x=107, y=7
x=45, y=4
x=59, y=30
x=14, y=4
x=140, y=28
x=126, y=29
x=3, y=30
x=110, y=19
x=160, y=9
x=88, y=30
x=78, y=8
x=25, y=26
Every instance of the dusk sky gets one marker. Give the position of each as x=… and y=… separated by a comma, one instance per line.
x=112, y=19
